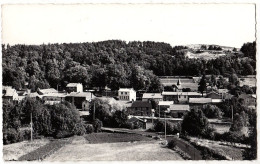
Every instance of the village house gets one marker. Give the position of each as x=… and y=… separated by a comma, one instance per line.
x=249, y=100
x=178, y=110
x=9, y=94
x=180, y=97
x=137, y=123
x=74, y=87
x=140, y=108
x=78, y=98
x=215, y=97
x=127, y=94
x=53, y=98
x=152, y=96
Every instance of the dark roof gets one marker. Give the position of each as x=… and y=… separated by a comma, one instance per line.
x=142, y=104
x=213, y=95
x=134, y=119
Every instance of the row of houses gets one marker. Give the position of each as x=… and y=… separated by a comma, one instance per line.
x=179, y=102
x=74, y=94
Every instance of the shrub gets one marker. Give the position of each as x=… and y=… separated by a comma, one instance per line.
x=11, y=135
x=79, y=129
x=89, y=129
x=97, y=124
x=171, y=144
x=62, y=134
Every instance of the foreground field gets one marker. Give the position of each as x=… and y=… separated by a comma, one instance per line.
x=16, y=150
x=81, y=150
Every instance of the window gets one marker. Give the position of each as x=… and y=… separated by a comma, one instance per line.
x=122, y=93
x=125, y=93
x=179, y=96
x=185, y=97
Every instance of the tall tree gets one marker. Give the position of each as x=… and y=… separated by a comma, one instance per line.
x=202, y=85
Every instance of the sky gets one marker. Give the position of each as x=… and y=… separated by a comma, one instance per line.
x=177, y=24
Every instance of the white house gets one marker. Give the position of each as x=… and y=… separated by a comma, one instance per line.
x=74, y=87
x=127, y=94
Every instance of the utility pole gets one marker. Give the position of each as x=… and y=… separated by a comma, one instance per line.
x=232, y=112
x=165, y=125
x=94, y=111
x=159, y=112
x=31, y=128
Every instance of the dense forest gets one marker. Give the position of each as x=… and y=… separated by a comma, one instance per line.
x=113, y=63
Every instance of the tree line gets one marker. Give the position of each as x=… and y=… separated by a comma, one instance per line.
x=112, y=63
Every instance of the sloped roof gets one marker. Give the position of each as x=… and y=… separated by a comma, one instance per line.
x=73, y=84
x=201, y=100
x=54, y=95
x=49, y=90
x=182, y=93
x=126, y=89
x=33, y=94
x=222, y=90
x=213, y=95
x=192, y=86
x=134, y=119
x=142, y=104
x=179, y=107
x=166, y=103
x=152, y=95
x=81, y=94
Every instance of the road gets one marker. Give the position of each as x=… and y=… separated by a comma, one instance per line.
x=81, y=150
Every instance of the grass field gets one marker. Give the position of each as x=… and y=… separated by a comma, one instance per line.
x=80, y=150
x=45, y=150
x=230, y=151
x=114, y=137
x=186, y=147
x=16, y=150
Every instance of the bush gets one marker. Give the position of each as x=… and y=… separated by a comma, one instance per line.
x=171, y=144
x=89, y=129
x=212, y=111
x=79, y=129
x=11, y=135
x=170, y=128
x=62, y=134
x=97, y=124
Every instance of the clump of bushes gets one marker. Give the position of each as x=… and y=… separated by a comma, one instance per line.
x=172, y=144
x=170, y=128
x=89, y=128
x=58, y=121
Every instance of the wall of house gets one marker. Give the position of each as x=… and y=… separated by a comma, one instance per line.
x=183, y=98
x=139, y=111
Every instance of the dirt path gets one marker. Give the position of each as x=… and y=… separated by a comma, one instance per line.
x=80, y=150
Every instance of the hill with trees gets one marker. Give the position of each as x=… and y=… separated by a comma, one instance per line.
x=112, y=63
